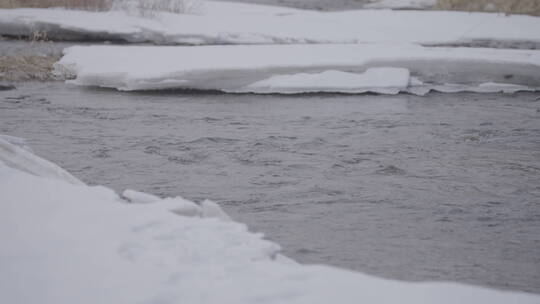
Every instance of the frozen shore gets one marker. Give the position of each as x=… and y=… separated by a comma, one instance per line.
x=248, y=48
x=237, y=23
x=345, y=68
x=66, y=242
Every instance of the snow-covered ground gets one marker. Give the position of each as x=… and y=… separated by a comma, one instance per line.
x=236, y=23
x=382, y=68
x=66, y=242
x=402, y=4
x=303, y=51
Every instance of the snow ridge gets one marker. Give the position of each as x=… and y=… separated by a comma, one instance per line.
x=235, y=23
x=380, y=68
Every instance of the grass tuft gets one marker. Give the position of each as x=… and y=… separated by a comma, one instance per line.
x=27, y=67
x=529, y=7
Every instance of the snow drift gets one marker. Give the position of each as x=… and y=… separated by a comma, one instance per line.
x=402, y=4
x=382, y=68
x=65, y=242
x=379, y=80
x=235, y=23
x=15, y=153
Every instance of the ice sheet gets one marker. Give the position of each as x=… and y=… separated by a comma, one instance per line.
x=235, y=23
x=298, y=68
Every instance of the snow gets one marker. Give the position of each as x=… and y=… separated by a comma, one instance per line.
x=65, y=243
x=379, y=80
x=17, y=141
x=138, y=197
x=300, y=68
x=14, y=152
x=285, y=50
x=221, y=8
x=178, y=205
x=402, y=4
x=235, y=23
x=487, y=87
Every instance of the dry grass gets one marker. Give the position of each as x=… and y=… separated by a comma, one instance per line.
x=27, y=67
x=529, y=7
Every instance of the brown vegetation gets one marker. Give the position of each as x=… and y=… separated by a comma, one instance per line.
x=530, y=7
x=27, y=67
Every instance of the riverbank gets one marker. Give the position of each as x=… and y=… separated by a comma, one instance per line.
x=27, y=68
x=363, y=44
x=28, y=60
x=439, y=187
x=527, y=7
x=226, y=23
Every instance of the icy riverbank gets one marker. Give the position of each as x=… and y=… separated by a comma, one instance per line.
x=380, y=68
x=66, y=242
x=236, y=23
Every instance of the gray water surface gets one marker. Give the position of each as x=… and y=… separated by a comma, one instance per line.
x=442, y=187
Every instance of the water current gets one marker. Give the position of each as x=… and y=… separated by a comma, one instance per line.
x=441, y=187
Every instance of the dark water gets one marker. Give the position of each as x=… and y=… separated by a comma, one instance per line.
x=443, y=187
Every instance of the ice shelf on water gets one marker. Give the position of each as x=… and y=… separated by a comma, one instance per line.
x=66, y=242
x=378, y=80
x=381, y=68
x=235, y=23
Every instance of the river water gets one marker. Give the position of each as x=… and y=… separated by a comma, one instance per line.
x=441, y=187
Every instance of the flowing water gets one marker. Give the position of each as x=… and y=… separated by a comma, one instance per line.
x=441, y=187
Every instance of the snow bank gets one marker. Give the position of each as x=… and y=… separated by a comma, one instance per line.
x=379, y=80
x=402, y=4
x=301, y=68
x=71, y=243
x=235, y=23
x=17, y=141
x=15, y=153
